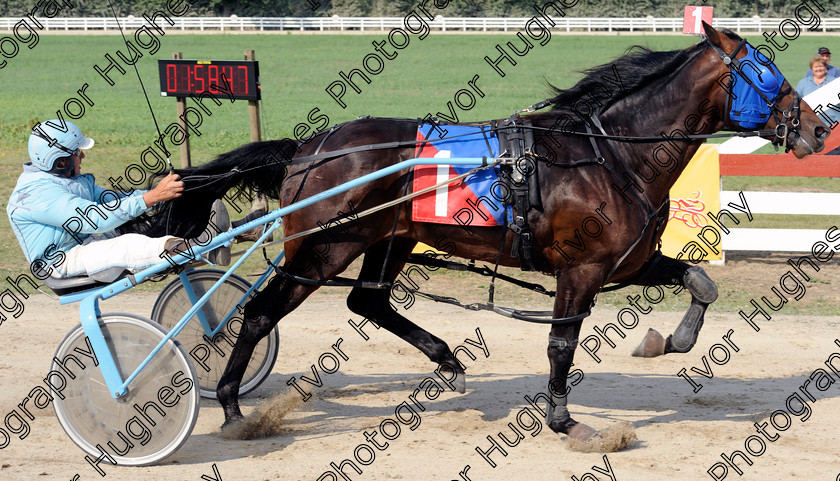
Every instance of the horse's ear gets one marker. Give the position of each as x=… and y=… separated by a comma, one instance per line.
x=714, y=36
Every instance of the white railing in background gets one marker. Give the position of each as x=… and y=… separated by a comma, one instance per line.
x=444, y=24
x=788, y=203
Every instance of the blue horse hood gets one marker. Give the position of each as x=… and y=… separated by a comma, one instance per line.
x=749, y=110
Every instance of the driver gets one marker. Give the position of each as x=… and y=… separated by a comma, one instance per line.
x=65, y=223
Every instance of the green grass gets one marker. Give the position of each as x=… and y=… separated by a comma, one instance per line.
x=295, y=70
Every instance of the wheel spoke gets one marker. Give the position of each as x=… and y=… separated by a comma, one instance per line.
x=174, y=303
x=161, y=407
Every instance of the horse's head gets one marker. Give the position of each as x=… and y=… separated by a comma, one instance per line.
x=757, y=96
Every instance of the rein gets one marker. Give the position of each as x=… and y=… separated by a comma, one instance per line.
x=780, y=133
x=408, y=143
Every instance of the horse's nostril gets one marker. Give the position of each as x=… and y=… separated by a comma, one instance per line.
x=821, y=133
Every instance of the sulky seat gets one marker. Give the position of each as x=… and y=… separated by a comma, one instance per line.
x=70, y=285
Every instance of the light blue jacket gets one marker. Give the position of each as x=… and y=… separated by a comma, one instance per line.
x=49, y=213
x=808, y=85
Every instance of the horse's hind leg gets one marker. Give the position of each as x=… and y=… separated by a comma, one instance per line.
x=260, y=315
x=374, y=304
x=703, y=292
x=279, y=298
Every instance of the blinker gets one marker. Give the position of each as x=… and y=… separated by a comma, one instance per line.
x=749, y=110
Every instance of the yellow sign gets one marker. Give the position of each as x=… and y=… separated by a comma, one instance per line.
x=422, y=248
x=696, y=193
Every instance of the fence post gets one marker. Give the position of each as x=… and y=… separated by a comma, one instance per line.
x=254, y=108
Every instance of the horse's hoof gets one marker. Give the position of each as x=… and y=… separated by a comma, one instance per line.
x=581, y=432
x=652, y=345
x=234, y=428
x=460, y=383
x=614, y=438
x=233, y=421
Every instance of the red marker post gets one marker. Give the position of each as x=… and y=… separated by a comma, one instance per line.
x=693, y=18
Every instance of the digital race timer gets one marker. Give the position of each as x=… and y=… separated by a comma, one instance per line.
x=182, y=78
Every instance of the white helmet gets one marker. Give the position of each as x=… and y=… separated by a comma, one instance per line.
x=54, y=139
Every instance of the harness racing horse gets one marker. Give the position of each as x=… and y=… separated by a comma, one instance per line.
x=677, y=93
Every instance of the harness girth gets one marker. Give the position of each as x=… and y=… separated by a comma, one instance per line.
x=516, y=141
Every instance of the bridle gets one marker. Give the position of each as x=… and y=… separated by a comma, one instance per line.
x=787, y=121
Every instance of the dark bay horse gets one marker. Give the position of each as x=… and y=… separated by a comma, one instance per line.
x=674, y=93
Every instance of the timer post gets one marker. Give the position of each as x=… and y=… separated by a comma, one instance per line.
x=181, y=106
x=260, y=202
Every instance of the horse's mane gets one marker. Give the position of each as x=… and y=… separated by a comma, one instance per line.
x=637, y=69
x=248, y=167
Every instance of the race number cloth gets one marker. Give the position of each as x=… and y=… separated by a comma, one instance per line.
x=465, y=202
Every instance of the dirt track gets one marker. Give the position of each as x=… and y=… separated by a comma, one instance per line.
x=680, y=434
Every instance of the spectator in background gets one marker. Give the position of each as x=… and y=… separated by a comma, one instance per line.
x=833, y=72
x=819, y=67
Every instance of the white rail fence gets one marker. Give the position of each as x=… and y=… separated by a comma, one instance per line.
x=444, y=24
x=786, y=203
x=778, y=240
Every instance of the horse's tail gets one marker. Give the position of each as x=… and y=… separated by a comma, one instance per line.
x=257, y=167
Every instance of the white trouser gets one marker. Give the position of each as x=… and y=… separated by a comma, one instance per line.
x=98, y=252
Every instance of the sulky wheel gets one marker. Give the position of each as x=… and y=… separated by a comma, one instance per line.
x=149, y=423
x=210, y=357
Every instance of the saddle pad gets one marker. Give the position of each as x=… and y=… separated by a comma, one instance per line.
x=465, y=202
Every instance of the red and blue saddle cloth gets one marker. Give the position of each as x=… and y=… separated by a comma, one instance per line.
x=466, y=202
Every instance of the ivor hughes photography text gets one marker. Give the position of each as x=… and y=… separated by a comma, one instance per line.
x=348, y=240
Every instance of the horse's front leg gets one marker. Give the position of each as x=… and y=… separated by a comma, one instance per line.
x=576, y=290
x=703, y=292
